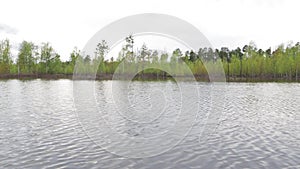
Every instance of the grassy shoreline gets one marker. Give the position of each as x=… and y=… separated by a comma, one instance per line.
x=144, y=77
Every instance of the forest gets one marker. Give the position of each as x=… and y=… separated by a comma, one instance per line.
x=247, y=63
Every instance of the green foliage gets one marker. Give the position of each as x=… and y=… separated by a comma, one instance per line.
x=5, y=56
x=247, y=62
x=26, y=58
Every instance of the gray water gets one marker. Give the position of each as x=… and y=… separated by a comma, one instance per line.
x=60, y=124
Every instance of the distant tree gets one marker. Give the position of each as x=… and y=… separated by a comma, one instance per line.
x=47, y=54
x=74, y=55
x=176, y=55
x=5, y=56
x=239, y=54
x=154, y=56
x=200, y=54
x=268, y=52
x=164, y=57
x=210, y=54
x=55, y=66
x=192, y=56
x=129, y=55
x=224, y=54
x=87, y=59
x=101, y=50
x=143, y=53
x=26, y=57
x=261, y=52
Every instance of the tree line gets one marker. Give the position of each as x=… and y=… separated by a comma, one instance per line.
x=245, y=63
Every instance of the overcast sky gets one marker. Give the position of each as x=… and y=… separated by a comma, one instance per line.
x=66, y=24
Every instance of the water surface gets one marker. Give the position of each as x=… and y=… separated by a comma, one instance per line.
x=256, y=125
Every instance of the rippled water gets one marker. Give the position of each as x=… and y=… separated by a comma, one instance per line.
x=46, y=124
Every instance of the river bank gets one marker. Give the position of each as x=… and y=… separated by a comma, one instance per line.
x=144, y=77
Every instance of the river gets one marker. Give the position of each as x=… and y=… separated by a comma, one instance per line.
x=161, y=124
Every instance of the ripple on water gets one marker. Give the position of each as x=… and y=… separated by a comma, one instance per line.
x=259, y=126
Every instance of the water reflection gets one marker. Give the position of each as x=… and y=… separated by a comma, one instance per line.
x=259, y=126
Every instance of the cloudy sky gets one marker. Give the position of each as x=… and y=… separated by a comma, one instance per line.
x=232, y=23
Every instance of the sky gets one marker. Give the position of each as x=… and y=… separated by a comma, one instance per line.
x=231, y=23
